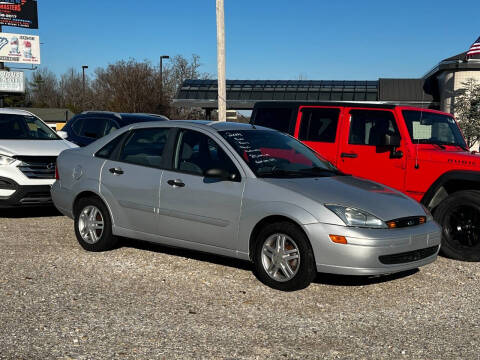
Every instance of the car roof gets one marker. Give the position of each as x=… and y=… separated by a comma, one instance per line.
x=14, y=111
x=128, y=117
x=205, y=124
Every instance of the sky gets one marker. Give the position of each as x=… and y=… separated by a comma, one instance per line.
x=265, y=39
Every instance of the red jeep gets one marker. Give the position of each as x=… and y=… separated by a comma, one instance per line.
x=420, y=152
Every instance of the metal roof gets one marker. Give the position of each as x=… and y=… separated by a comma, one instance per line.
x=243, y=94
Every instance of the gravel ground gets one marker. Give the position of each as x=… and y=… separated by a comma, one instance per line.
x=146, y=301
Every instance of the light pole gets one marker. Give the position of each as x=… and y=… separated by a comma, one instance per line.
x=161, y=75
x=83, y=82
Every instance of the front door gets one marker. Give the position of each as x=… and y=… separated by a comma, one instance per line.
x=131, y=181
x=362, y=150
x=193, y=207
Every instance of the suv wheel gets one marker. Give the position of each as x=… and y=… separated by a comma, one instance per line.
x=459, y=216
x=283, y=257
x=93, y=226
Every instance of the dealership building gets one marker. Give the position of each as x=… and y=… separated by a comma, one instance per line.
x=435, y=90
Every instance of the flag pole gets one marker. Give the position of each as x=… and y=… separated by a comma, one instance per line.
x=222, y=92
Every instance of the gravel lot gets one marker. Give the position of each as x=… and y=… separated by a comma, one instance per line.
x=147, y=301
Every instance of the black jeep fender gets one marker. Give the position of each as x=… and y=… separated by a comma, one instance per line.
x=448, y=183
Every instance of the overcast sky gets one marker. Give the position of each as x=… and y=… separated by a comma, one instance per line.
x=266, y=39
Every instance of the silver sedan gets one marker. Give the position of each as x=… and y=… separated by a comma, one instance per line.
x=241, y=191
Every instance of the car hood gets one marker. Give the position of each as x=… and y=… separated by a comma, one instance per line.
x=34, y=147
x=383, y=202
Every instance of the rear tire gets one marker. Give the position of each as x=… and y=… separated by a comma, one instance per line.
x=93, y=226
x=459, y=216
x=283, y=258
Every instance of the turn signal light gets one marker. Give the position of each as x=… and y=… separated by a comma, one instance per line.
x=422, y=220
x=338, y=239
x=391, y=224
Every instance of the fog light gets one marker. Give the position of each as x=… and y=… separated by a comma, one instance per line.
x=338, y=239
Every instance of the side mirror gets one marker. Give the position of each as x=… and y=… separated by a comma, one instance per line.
x=62, y=134
x=219, y=174
x=391, y=140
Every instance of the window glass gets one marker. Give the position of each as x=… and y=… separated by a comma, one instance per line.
x=431, y=128
x=107, y=151
x=274, y=154
x=319, y=125
x=196, y=153
x=369, y=127
x=145, y=147
x=24, y=127
x=111, y=126
x=275, y=118
x=93, y=128
x=77, y=126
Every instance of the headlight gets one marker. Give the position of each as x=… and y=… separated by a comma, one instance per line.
x=6, y=160
x=356, y=217
x=428, y=213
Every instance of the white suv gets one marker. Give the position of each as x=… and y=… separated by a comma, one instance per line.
x=28, y=154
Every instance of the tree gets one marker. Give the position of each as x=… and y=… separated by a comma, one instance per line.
x=43, y=89
x=467, y=110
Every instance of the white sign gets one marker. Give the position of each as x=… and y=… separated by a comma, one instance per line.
x=12, y=81
x=19, y=48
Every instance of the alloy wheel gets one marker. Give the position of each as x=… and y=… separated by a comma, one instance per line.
x=91, y=224
x=280, y=257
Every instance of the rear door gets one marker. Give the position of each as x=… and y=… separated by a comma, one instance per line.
x=362, y=153
x=317, y=127
x=131, y=180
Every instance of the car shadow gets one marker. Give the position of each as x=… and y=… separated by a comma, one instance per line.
x=322, y=278
x=29, y=212
x=351, y=280
x=186, y=253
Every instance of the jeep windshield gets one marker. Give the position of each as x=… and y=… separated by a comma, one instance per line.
x=273, y=154
x=432, y=128
x=24, y=127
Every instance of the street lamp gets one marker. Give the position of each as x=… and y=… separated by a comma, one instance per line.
x=161, y=75
x=83, y=79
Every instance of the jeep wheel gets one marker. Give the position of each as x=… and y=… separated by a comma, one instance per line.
x=459, y=216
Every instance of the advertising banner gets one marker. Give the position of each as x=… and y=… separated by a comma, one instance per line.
x=19, y=48
x=19, y=13
x=12, y=82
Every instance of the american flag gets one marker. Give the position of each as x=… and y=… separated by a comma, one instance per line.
x=474, y=49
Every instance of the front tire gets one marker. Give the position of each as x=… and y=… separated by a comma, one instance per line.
x=283, y=257
x=459, y=216
x=93, y=226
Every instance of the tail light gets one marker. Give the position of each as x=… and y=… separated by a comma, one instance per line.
x=57, y=177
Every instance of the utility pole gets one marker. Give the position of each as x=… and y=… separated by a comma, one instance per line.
x=222, y=92
x=2, y=67
x=83, y=82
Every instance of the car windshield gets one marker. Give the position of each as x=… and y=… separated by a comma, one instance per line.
x=274, y=154
x=24, y=127
x=432, y=128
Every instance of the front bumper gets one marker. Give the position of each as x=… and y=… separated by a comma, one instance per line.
x=14, y=195
x=374, y=251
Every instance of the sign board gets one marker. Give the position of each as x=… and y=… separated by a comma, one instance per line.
x=19, y=13
x=19, y=48
x=12, y=82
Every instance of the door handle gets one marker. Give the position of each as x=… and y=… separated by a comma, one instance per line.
x=116, y=171
x=348, y=155
x=176, y=183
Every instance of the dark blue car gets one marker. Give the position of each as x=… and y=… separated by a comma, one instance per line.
x=89, y=126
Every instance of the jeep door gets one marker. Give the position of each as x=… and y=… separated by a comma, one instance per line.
x=317, y=127
x=363, y=151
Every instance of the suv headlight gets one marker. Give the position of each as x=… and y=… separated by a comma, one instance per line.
x=357, y=217
x=6, y=160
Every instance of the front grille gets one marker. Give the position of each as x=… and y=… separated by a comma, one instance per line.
x=408, y=256
x=37, y=167
x=406, y=221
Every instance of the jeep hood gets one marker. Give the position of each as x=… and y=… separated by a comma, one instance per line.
x=385, y=203
x=34, y=147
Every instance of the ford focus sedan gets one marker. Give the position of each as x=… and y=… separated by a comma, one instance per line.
x=240, y=191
